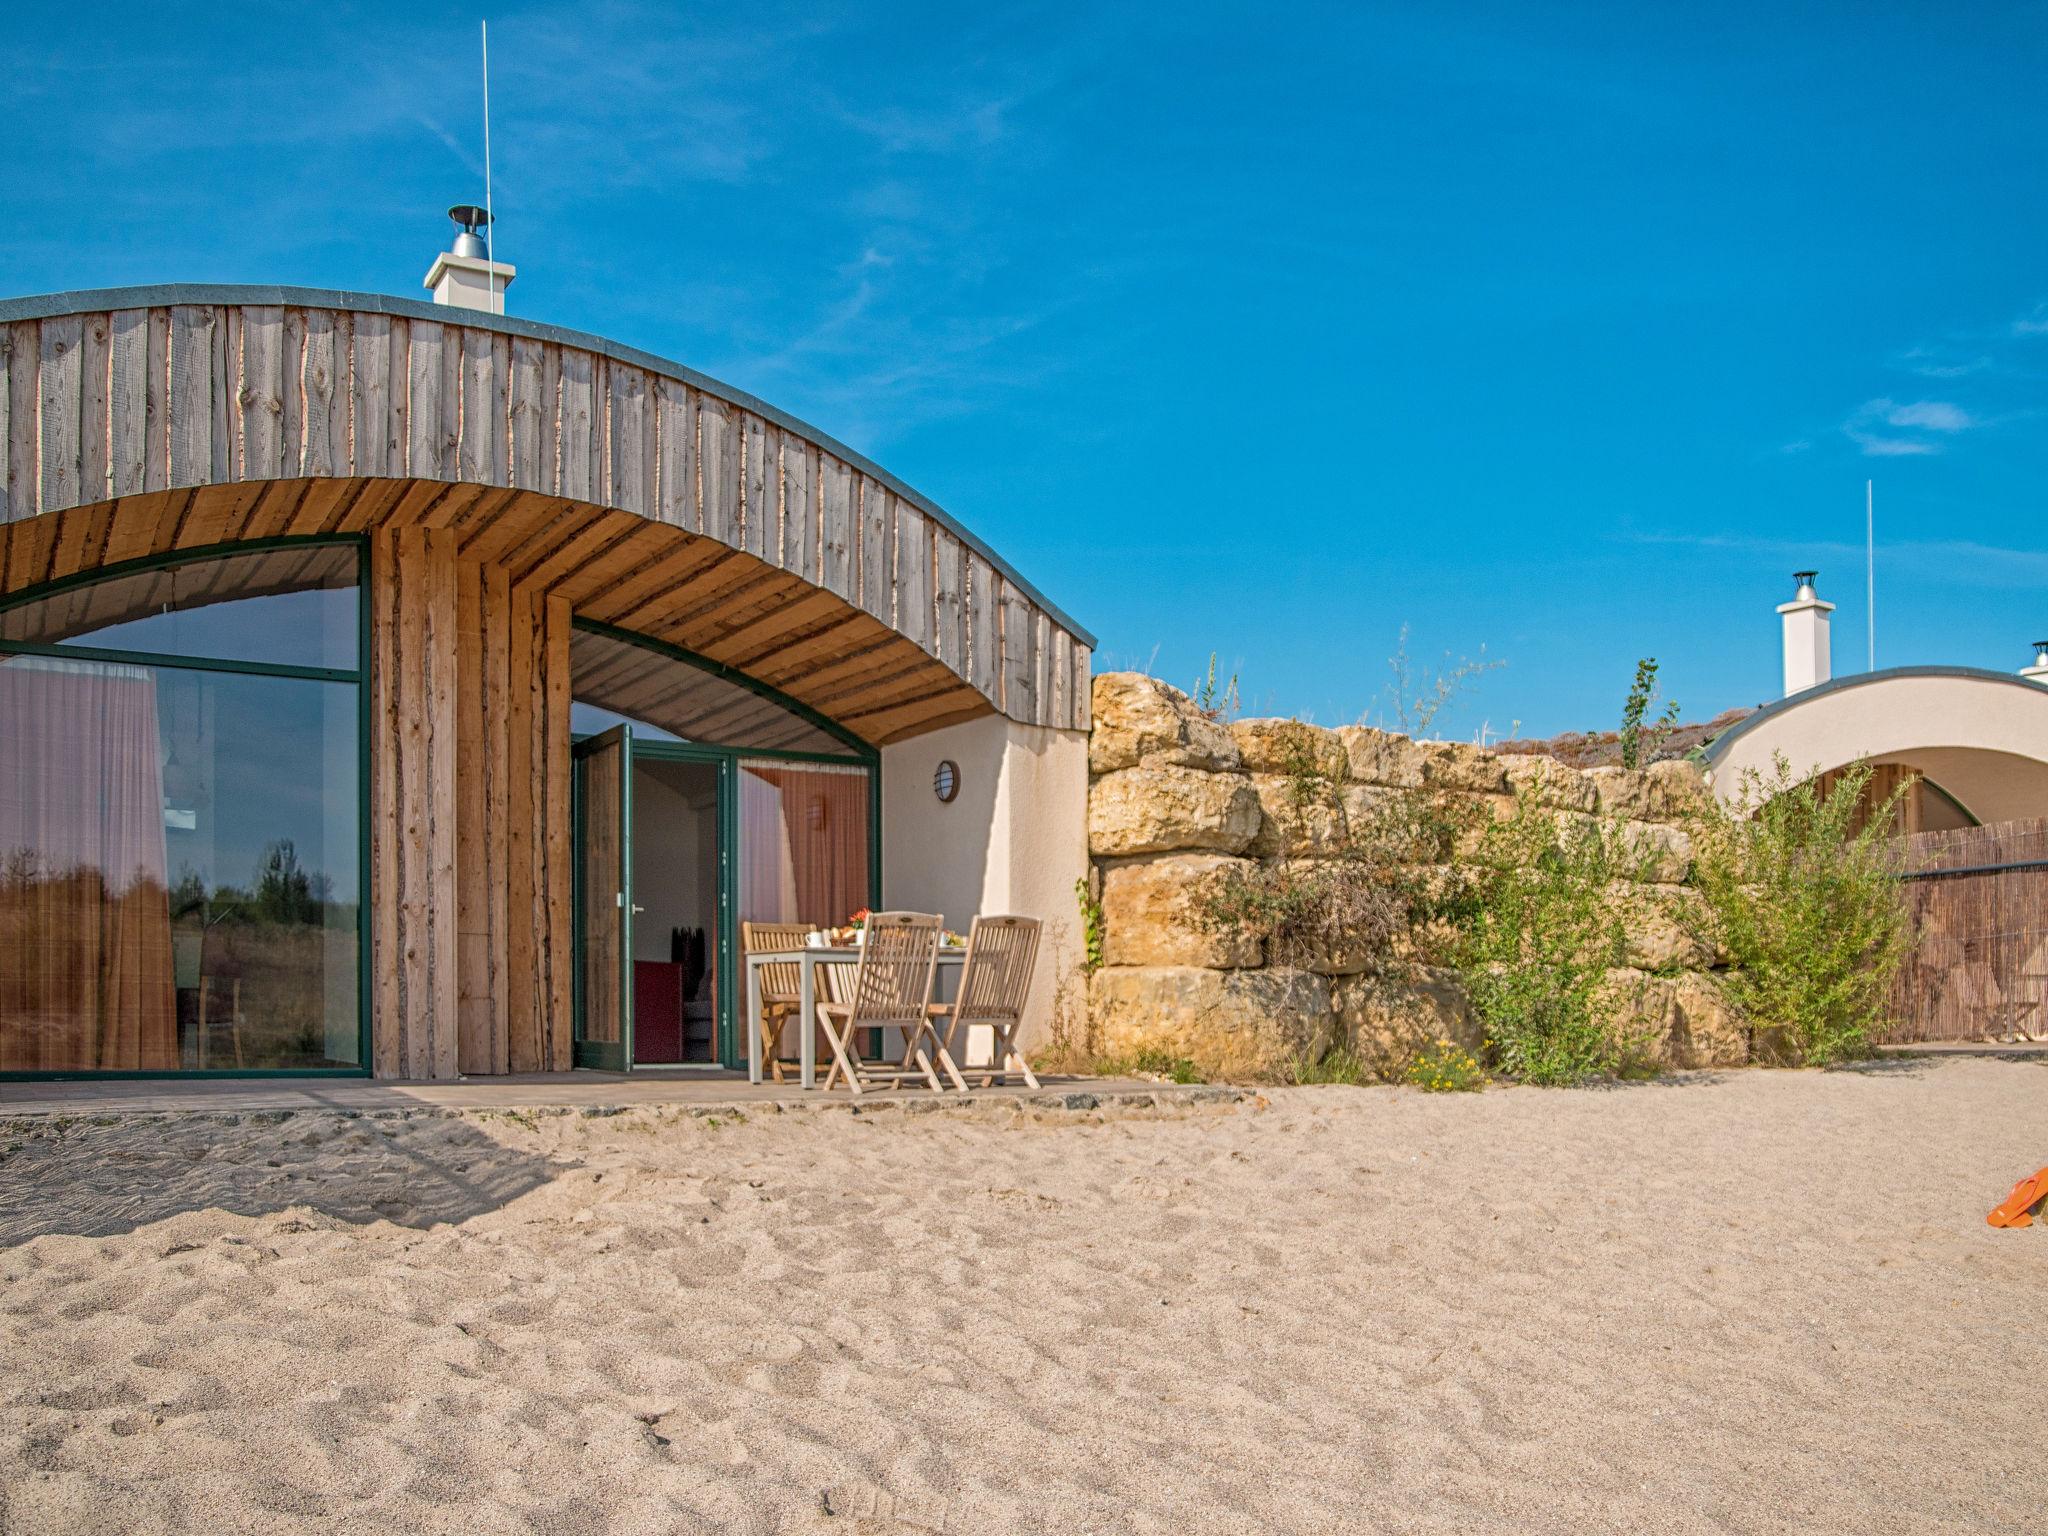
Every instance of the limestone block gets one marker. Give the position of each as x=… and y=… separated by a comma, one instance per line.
x=1459, y=765
x=1234, y=1025
x=1666, y=851
x=1285, y=746
x=1388, y=1019
x=1706, y=1030
x=1662, y=792
x=1381, y=757
x=1558, y=785
x=1662, y=926
x=1168, y=809
x=1152, y=913
x=1138, y=719
x=1684, y=1022
x=1294, y=826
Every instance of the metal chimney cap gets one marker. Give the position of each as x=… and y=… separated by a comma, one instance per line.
x=469, y=243
x=1804, y=578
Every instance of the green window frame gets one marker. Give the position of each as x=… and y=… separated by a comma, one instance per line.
x=358, y=676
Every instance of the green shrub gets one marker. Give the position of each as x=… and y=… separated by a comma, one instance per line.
x=1445, y=1067
x=1535, y=932
x=1339, y=1065
x=1802, y=892
x=1091, y=926
x=1364, y=899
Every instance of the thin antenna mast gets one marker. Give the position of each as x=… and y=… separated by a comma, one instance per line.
x=1870, y=567
x=490, y=219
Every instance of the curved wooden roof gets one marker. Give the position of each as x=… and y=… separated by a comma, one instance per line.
x=138, y=421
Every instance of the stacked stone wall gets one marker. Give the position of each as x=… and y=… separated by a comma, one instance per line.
x=1177, y=800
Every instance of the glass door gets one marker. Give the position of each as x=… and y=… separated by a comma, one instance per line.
x=604, y=900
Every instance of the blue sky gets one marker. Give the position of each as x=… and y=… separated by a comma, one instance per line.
x=1566, y=331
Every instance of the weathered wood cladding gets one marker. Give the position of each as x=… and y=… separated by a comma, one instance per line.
x=469, y=802
x=583, y=474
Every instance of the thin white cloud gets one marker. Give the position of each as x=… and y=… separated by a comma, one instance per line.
x=1888, y=429
x=2035, y=324
x=1936, y=415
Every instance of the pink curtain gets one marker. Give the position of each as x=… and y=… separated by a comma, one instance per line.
x=803, y=843
x=86, y=976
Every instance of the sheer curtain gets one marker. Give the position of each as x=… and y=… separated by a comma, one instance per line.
x=86, y=976
x=803, y=842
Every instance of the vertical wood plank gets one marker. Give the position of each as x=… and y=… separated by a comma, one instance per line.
x=555, y=895
x=525, y=800
x=913, y=575
x=800, y=508
x=529, y=419
x=322, y=448
x=984, y=627
x=423, y=400
x=497, y=695
x=128, y=402
x=838, y=528
x=760, y=489
x=58, y=381
x=1020, y=662
x=444, y=968
x=675, y=475
x=1060, y=710
x=480, y=457
x=225, y=384
x=387, y=803
x=156, y=384
x=11, y=369
x=718, y=469
x=259, y=392
x=292, y=395
x=631, y=440
x=877, y=593
x=949, y=600
x=95, y=421
x=370, y=422
x=1041, y=667
x=579, y=477
x=472, y=815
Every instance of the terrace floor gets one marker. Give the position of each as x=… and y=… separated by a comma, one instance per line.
x=689, y=1088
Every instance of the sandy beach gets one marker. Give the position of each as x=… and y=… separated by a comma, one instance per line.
x=1755, y=1302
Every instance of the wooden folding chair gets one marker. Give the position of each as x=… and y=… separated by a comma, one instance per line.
x=892, y=989
x=781, y=983
x=995, y=982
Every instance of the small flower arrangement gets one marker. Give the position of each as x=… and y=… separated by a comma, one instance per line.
x=1444, y=1067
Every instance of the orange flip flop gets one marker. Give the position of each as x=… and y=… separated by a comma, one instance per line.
x=2030, y=1191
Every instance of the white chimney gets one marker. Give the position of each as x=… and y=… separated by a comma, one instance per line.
x=1807, y=657
x=464, y=275
x=2038, y=672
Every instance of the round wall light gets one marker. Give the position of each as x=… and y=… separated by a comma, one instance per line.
x=946, y=780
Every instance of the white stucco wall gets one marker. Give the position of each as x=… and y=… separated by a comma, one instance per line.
x=1012, y=842
x=1983, y=738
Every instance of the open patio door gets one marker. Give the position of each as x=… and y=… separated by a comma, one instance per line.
x=604, y=900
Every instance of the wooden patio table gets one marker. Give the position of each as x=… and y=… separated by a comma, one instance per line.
x=808, y=959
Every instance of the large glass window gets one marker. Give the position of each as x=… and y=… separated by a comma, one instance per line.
x=180, y=879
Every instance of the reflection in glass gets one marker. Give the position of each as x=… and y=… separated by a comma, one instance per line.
x=179, y=871
x=294, y=606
